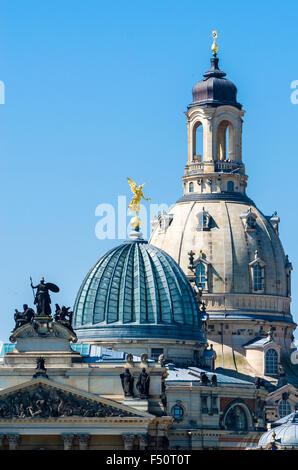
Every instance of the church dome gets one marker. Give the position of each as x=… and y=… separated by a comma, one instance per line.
x=285, y=435
x=137, y=291
x=237, y=256
x=215, y=90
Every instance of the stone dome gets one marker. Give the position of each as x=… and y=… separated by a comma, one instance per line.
x=137, y=291
x=285, y=435
x=214, y=227
x=215, y=90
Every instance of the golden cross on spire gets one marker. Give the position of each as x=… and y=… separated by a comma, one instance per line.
x=214, y=46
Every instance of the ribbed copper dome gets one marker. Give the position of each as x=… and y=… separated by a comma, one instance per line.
x=215, y=90
x=137, y=290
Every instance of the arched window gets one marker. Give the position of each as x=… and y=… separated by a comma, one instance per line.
x=230, y=186
x=191, y=187
x=271, y=362
x=236, y=419
x=258, y=278
x=197, y=142
x=177, y=412
x=284, y=408
x=225, y=141
x=201, y=276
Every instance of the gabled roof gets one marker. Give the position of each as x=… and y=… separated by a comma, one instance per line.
x=259, y=342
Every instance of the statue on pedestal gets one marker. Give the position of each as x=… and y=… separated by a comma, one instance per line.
x=42, y=297
x=143, y=384
x=127, y=381
x=21, y=318
x=63, y=316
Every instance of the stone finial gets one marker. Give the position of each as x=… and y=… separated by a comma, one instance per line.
x=191, y=255
x=270, y=334
x=161, y=360
x=129, y=358
x=144, y=358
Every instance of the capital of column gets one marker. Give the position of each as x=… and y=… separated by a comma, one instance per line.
x=68, y=440
x=128, y=440
x=13, y=440
x=143, y=441
x=83, y=441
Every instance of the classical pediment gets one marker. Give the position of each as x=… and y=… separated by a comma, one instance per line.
x=278, y=393
x=44, y=399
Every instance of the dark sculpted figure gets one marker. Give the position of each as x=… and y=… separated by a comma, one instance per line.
x=63, y=316
x=143, y=383
x=127, y=383
x=21, y=318
x=42, y=297
x=40, y=370
x=214, y=380
x=204, y=378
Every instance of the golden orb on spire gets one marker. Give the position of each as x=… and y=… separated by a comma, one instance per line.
x=214, y=46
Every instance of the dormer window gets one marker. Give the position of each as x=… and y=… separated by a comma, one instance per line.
x=201, y=276
x=258, y=278
x=249, y=220
x=274, y=220
x=201, y=269
x=257, y=270
x=271, y=362
x=203, y=220
x=164, y=221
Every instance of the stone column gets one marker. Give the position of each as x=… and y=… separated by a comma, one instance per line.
x=83, y=441
x=143, y=441
x=67, y=440
x=128, y=440
x=13, y=440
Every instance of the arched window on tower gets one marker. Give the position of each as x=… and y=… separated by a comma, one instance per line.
x=191, y=187
x=197, y=139
x=201, y=275
x=225, y=140
x=271, y=362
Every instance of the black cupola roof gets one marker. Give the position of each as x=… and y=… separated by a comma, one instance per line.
x=215, y=90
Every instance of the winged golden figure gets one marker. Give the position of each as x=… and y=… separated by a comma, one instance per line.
x=135, y=205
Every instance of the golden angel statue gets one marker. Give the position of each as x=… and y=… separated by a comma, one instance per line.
x=135, y=205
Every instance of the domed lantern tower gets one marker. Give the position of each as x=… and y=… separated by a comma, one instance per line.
x=228, y=249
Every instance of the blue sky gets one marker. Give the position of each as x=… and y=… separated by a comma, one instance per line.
x=96, y=91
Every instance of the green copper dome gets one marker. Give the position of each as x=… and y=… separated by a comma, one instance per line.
x=136, y=290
